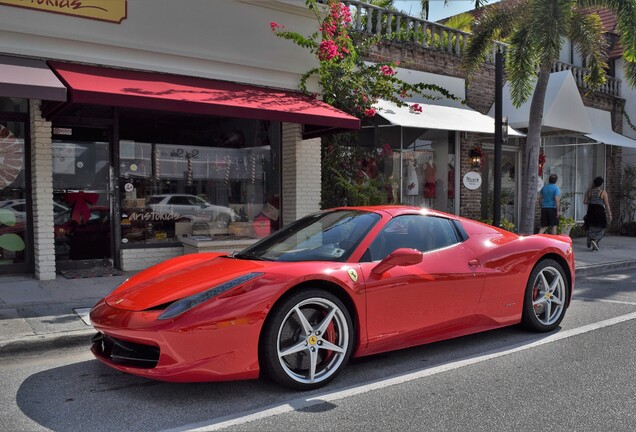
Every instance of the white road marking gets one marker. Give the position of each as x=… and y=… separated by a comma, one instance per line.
x=605, y=301
x=84, y=315
x=300, y=403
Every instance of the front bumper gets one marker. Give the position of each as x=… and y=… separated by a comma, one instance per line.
x=184, y=349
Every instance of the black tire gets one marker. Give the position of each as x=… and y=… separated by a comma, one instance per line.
x=223, y=220
x=546, y=297
x=327, y=343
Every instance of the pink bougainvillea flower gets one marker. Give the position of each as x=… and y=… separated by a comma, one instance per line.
x=415, y=108
x=387, y=70
x=327, y=50
x=369, y=112
x=275, y=26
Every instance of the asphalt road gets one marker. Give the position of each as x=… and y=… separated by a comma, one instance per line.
x=578, y=378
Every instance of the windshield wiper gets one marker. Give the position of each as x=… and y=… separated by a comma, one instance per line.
x=249, y=256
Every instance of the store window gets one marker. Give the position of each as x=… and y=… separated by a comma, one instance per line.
x=576, y=163
x=391, y=165
x=428, y=167
x=215, y=178
x=14, y=207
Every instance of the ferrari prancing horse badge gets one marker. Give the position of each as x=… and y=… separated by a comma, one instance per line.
x=353, y=274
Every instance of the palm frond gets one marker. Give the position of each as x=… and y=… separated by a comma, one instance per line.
x=550, y=18
x=494, y=24
x=586, y=31
x=463, y=22
x=521, y=66
x=625, y=11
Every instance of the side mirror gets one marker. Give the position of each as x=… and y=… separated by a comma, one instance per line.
x=399, y=257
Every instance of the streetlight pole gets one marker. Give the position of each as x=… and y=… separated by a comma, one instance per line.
x=499, y=137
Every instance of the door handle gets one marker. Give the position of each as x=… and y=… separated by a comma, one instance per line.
x=473, y=263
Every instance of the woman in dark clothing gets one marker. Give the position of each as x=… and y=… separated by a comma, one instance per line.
x=598, y=213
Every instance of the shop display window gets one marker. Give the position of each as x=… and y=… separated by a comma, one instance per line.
x=428, y=171
x=14, y=209
x=576, y=161
x=228, y=189
x=391, y=165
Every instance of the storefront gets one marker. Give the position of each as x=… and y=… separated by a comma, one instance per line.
x=574, y=143
x=138, y=181
x=173, y=176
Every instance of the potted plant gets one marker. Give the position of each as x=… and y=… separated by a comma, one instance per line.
x=565, y=225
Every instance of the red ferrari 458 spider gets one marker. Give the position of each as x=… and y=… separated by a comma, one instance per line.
x=335, y=284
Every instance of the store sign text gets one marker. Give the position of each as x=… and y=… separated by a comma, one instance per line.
x=103, y=10
x=153, y=216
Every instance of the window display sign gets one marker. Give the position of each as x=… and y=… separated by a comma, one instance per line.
x=472, y=180
x=103, y=10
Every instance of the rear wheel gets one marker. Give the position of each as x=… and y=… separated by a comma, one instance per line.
x=307, y=340
x=223, y=220
x=545, y=297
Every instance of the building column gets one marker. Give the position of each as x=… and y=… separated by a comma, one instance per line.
x=301, y=174
x=42, y=193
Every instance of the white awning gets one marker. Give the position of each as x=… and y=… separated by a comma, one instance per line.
x=438, y=117
x=29, y=78
x=563, y=108
x=602, y=129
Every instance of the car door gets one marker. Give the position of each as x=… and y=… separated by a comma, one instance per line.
x=182, y=205
x=407, y=304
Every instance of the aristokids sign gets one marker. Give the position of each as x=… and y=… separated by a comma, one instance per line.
x=103, y=10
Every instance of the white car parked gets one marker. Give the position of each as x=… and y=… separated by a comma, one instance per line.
x=19, y=209
x=193, y=206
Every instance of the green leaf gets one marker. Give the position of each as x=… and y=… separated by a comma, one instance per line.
x=12, y=242
x=7, y=217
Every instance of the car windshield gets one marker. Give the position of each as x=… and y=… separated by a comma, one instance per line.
x=327, y=236
x=154, y=199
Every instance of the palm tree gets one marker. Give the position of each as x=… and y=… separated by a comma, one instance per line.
x=425, y=6
x=535, y=31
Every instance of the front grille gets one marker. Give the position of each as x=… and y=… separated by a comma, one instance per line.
x=125, y=353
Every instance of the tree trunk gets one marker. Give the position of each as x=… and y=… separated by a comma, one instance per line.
x=531, y=154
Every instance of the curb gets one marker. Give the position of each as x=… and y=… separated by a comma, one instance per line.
x=599, y=269
x=46, y=343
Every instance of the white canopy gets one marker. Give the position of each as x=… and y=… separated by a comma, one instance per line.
x=563, y=107
x=602, y=129
x=438, y=117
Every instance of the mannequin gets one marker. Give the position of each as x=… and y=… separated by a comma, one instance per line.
x=430, y=174
x=412, y=183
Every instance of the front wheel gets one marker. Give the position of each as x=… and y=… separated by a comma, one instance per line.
x=307, y=340
x=223, y=220
x=545, y=297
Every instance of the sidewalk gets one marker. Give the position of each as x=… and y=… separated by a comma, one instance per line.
x=41, y=315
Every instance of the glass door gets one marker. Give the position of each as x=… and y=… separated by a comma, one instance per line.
x=81, y=191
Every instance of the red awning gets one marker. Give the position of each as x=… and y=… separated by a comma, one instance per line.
x=157, y=91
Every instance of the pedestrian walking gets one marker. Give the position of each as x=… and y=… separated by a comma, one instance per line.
x=598, y=213
x=550, y=205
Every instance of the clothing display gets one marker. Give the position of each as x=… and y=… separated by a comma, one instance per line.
x=412, y=183
x=430, y=174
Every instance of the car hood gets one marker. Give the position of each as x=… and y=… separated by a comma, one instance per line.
x=145, y=291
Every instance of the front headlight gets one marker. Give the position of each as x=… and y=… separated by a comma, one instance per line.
x=187, y=303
